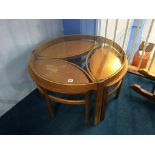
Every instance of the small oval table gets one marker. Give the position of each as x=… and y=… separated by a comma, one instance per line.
x=53, y=65
x=107, y=66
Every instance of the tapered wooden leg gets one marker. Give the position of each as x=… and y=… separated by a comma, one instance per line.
x=49, y=106
x=87, y=110
x=118, y=90
x=98, y=104
x=104, y=102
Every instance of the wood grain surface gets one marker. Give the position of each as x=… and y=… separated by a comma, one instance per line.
x=60, y=71
x=67, y=49
x=104, y=63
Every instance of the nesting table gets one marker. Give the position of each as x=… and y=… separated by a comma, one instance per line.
x=92, y=62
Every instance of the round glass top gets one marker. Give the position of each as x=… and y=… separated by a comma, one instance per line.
x=77, y=59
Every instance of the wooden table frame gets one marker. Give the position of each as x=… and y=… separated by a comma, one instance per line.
x=100, y=86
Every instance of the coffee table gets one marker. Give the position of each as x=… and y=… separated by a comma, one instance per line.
x=88, y=61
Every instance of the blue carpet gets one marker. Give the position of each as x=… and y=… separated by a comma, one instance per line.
x=129, y=114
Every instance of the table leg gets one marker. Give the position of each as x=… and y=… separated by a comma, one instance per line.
x=98, y=104
x=104, y=102
x=118, y=91
x=87, y=109
x=49, y=106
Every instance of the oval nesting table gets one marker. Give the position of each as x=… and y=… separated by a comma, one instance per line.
x=53, y=67
x=67, y=47
x=107, y=66
x=60, y=71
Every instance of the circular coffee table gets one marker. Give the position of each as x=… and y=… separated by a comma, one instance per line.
x=75, y=64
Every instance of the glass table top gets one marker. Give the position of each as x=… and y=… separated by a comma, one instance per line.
x=104, y=62
x=66, y=49
x=77, y=59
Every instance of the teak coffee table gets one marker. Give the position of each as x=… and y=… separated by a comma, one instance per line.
x=77, y=64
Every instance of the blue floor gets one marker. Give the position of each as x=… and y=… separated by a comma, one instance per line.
x=130, y=114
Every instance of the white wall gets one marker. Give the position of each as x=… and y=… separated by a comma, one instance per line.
x=17, y=39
